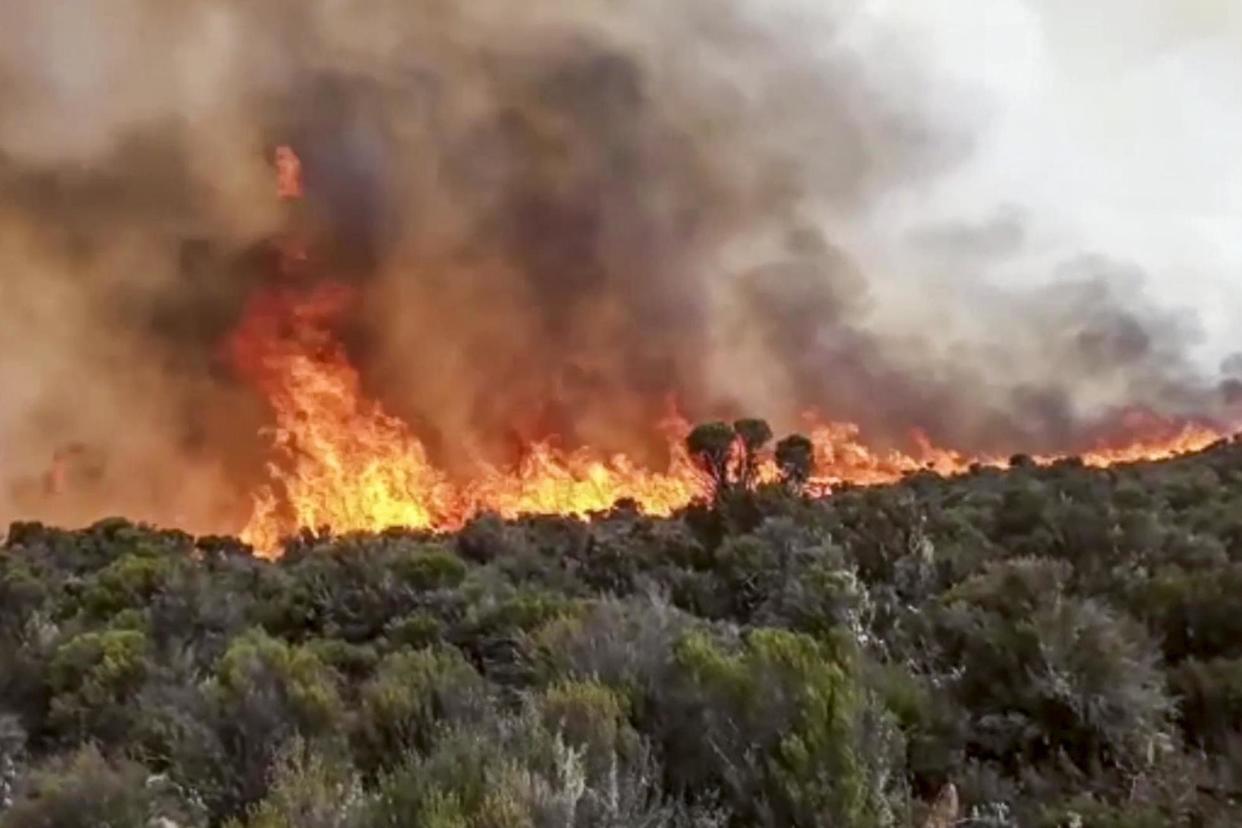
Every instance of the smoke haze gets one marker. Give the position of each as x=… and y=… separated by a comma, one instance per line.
x=1003, y=227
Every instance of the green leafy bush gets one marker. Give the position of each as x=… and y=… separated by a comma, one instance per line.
x=94, y=678
x=411, y=697
x=1059, y=645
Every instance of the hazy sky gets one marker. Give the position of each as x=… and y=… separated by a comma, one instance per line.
x=1110, y=127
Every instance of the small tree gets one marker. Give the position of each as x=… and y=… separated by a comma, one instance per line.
x=754, y=435
x=795, y=456
x=711, y=445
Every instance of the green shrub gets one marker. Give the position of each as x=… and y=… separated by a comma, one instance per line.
x=126, y=583
x=783, y=725
x=1045, y=674
x=225, y=734
x=413, y=694
x=1209, y=695
x=429, y=569
x=94, y=678
x=310, y=789
x=417, y=630
x=591, y=719
x=257, y=666
x=82, y=790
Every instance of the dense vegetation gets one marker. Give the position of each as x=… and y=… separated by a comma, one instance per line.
x=1048, y=646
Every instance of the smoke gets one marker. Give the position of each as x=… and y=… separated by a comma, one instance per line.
x=556, y=216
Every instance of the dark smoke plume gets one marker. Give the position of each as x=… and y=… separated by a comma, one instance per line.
x=557, y=215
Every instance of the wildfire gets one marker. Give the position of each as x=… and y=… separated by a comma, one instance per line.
x=288, y=174
x=343, y=462
x=1160, y=441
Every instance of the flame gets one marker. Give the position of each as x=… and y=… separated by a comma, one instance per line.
x=288, y=174
x=1157, y=439
x=343, y=463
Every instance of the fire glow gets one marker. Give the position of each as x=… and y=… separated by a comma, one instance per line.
x=343, y=463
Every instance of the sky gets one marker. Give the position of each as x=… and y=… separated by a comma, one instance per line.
x=1109, y=128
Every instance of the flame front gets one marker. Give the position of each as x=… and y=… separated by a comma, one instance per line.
x=344, y=463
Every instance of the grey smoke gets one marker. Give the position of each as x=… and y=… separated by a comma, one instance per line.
x=557, y=215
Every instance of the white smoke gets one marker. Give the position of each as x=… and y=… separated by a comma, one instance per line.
x=1110, y=128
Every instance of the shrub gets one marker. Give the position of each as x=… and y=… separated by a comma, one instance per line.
x=93, y=678
x=127, y=582
x=1043, y=673
x=263, y=693
x=310, y=789
x=784, y=727
x=417, y=630
x=429, y=569
x=82, y=790
x=1209, y=695
x=592, y=720
x=413, y=694
x=257, y=669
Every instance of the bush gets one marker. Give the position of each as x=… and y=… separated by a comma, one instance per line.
x=258, y=670
x=429, y=569
x=1044, y=674
x=82, y=790
x=128, y=582
x=310, y=789
x=1060, y=645
x=94, y=678
x=413, y=695
x=783, y=726
x=592, y=720
x=1209, y=695
x=263, y=693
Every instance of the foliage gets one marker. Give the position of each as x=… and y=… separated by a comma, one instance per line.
x=730, y=455
x=93, y=678
x=1057, y=645
x=411, y=695
x=310, y=789
x=80, y=790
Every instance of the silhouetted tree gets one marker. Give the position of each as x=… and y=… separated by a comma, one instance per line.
x=754, y=436
x=711, y=445
x=795, y=455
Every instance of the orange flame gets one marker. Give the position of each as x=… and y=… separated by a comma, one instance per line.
x=288, y=174
x=344, y=463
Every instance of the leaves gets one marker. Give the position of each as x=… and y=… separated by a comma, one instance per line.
x=1051, y=643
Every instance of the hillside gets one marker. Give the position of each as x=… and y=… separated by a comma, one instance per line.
x=1061, y=645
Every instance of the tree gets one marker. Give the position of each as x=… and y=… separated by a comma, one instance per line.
x=754, y=435
x=711, y=445
x=795, y=456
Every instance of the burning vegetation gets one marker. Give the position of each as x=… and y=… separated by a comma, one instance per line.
x=512, y=259
x=440, y=331
x=343, y=463
x=1036, y=646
